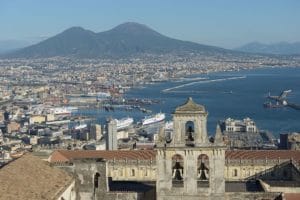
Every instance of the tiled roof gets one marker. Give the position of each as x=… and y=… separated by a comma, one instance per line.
x=291, y=196
x=263, y=154
x=29, y=177
x=65, y=155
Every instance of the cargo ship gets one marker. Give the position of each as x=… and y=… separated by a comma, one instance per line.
x=124, y=123
x=153, y=119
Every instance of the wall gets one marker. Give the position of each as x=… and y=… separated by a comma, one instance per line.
x=69, y=193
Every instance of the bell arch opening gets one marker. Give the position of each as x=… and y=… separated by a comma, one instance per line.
x=189, y=133
x=177, y=170
x=203, y=170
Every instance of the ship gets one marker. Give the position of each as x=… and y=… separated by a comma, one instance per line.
x=63, y=110
x=80, y=126
x=153, y=119
x=272, y=105
x=124, y=123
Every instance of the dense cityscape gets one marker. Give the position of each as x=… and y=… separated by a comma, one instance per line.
x=52, y=147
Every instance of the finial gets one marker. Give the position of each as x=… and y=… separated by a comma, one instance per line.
x=218, y=135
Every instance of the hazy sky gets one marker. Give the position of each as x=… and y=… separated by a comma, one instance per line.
x=225, y=23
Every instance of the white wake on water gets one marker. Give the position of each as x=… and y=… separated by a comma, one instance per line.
x=203, y=81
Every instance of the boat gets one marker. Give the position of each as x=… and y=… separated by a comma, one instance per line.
x=63, y=110
x=80, y=126
x=153, y=119
x=124, y=123
x=272, y=105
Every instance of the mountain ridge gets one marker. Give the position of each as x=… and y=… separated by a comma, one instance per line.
x=279, y=48
x=127, y=39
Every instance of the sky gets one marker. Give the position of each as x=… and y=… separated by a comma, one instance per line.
x=224, y=23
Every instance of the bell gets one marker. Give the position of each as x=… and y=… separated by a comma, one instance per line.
x=178, y=176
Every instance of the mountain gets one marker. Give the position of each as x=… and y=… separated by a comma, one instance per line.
x=283, y=48
x=124, y=40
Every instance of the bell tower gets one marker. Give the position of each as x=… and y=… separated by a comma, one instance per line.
x=189, y=166
x=190, y=125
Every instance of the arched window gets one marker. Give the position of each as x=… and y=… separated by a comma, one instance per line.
x=96, y=180
x=203, y=170
x=235, y=172
x=132, y=172
x=177, y=170
x=189, y=133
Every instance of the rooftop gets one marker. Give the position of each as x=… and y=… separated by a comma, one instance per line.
x=29, y=177
x=190, y=106
x=68, y=156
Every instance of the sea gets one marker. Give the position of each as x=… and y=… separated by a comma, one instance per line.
x=236, y=95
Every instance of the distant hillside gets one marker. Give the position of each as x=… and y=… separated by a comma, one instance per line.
x=283, y=48
x=12, y=45
x=124, y=40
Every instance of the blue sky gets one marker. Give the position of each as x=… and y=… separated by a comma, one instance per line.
x=225, y=23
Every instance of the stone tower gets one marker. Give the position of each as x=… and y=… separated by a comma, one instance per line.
x=189, y=166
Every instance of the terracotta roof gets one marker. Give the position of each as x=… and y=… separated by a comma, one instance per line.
x=263, y=154
x=66, y=155
x=29, y=177
x=190, y=106
x=291, y=196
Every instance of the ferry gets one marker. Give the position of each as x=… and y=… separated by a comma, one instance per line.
x=153, y=119
x=63, y=110
x=124, y=123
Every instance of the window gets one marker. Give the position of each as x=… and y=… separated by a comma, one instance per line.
x=96, y=180
x=132, y=172
x=235, y=172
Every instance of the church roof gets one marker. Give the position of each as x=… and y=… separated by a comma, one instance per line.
x=68, y=156
x=29, y=177
x=190, y=106
x=262, y=154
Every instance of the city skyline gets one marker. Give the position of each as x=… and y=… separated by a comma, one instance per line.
x=225, y=24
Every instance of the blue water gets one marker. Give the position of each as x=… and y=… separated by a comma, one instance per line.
x=234, y=98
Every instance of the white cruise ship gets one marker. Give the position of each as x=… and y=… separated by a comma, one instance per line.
x=124, y=123
x=63, y=110
x=153, y=119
